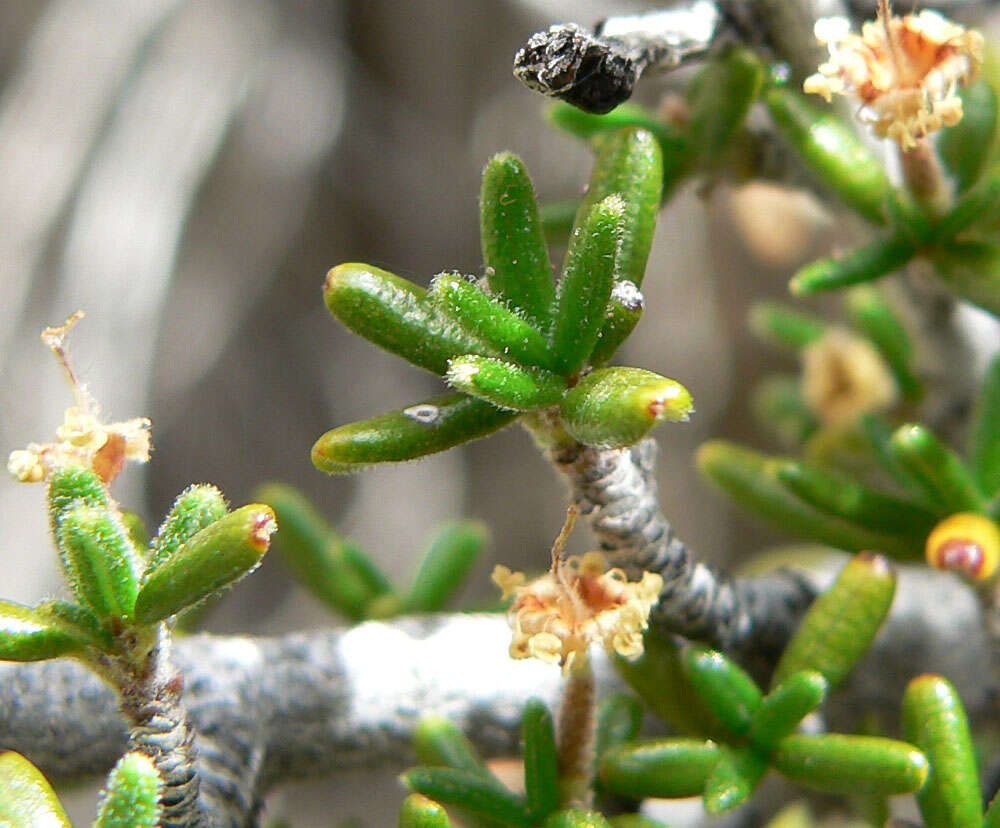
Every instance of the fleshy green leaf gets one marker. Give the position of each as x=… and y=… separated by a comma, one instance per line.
x=585, y=286
x=101, y=564
x=588, y=125
x=577, y=819
x=319, y=557
x=425, y=428
x=137, y=531
x=438, y=743
x=132, y=796
x=195, y=508
x=469, y=790
x=26, y=797
x=513, y=242
x=864, y=264
x=972, y=270
x=979, y=205
x=71, y=487
x=733, y=779
x=487, y=319
x=852, y=764
x=420, y=812
x=77, y=621
x=541, y=764
x=872, y=315
x=719, y=98
x=965, y=146
x=667, y=768
x=843, y=498
x=841, y=623
x=617, y=407
x=934, y=721
x=619, y=718
x=505, y=384
x=751, y=479
x=936, y=470
x=783, y=326
x=785, y=707
x=452, y=553
x=630, y=164
x=27, y=635
x=728, y=691
x=394, y=314
x=625, y=309
x=216, y=557
x=832, y=152
x=984, y=445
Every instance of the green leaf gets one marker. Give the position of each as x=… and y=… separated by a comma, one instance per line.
x=984, y=443
x=719, y=98
x=751, y=479
x=489, y=320
x=26, y=797
x=101, y=565
x=513, y=242
x=577, y=819
x=841, y=623
x=425, y=428
x=587, y=125
x=505, y=384
x=864, y=264
x=832, y=152
x=195, y=508
x=619, y=718
x=420, y=812
x=780, y=325
x=971, y=270
x=965, y=146
x=873, y=316
x=394, y=314
x=136, y=528
x=635, y=821
x=852, y=764
x=934, y=721
x=450, y=557
x=733, y=779
x=469, y=790
x=659, y=680
x=438, y=743
x=216, y=557
x=979, y=205
x=785, y=707
x=76, y=621
x=132, y=796
x=585, y=286
x=868, y=508
x=728, y=691
x=667, y=768
x=70, y=487
x=777, y=405
x=318, y=556
x=541, y=764
x=625, y=309
x=28, y=635
x=936, y=470
x=617, y=407
x=629, y=164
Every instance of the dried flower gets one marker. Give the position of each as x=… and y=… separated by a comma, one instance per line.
x=845, y=377
x=905, y=70
x=578, y=602
x=82, y=439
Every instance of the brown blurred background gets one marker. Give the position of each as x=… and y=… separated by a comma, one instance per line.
x=186, y=171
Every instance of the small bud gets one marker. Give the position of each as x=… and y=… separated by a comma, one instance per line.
x=967, y=543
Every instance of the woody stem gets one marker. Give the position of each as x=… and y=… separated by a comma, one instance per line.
x=576, y=735
x=925, y=179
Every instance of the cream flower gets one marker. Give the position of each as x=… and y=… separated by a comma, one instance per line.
x=578, y=602
x=845, y=377
x=82, y=439
x=905, y=70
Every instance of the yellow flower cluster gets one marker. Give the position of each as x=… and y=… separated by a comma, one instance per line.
x=905, y=70
x=82, y=439
x=578, y=602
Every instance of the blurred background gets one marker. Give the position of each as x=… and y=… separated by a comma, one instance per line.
x=186, y=171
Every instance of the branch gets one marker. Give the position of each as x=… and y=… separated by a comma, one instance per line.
x=616, y=489
x=266, y=710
